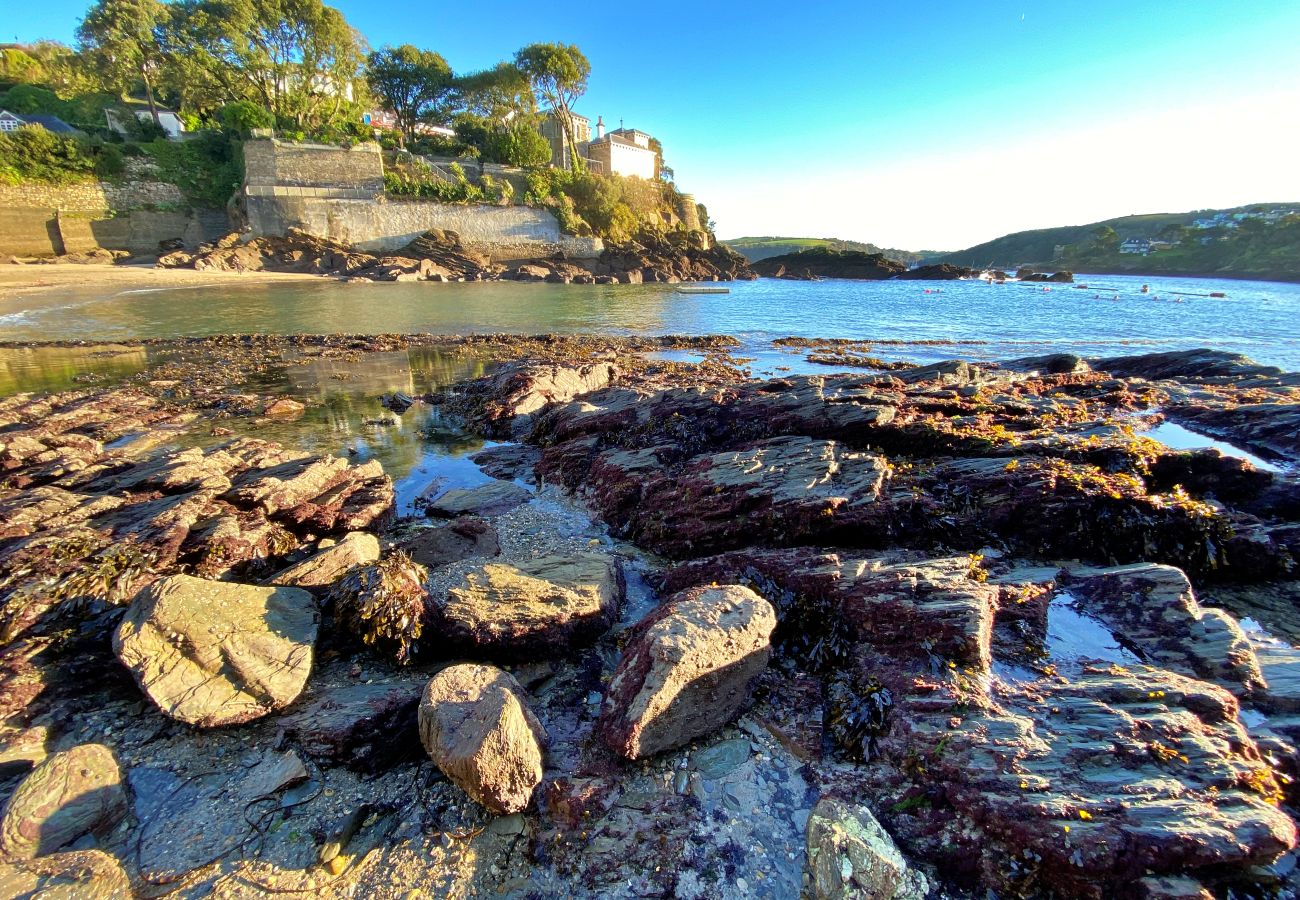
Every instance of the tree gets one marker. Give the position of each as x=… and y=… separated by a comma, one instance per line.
x=1105, y=239
x=125, y=39
x=519, y=144
x=299, y=59
x=415, y=85
x=501, y=95
x=558, y=74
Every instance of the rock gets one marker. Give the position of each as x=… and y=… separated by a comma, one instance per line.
x=850, y=855
x=1189, y=364
x=477, y=727
x=821, y=262
x=366, y=727
x=508, y=461
x=1154, y=608
x=75, y=875
x=464, y=538
x=327, y=566
x=1051, y=364
x=284, y=408
x=938, y=272
x=490, y=499
x=275, y=772
x=213, y=653
x=512, y=399
x=543, y=607
x=687, y=670
x=72, y=793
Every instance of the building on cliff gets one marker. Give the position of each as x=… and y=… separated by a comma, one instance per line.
x=12, y=122
x=623, y=151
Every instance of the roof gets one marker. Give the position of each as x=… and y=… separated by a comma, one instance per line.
x=48, y=122
x=614, y=137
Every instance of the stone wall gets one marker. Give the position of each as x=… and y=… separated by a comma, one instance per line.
x=503, y=232
x=272, y=163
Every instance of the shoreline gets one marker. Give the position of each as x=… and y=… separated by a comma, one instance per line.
x=39, y=279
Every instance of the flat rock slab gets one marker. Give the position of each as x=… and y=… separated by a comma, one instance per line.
x=477, y=727
x=211, y=653
x=366, y=727
x=509, y=461
x=542, y=607
x=185, y=823
x=463, y=538
x=72, y=793
x=490, y=499
x=75, y=875
x=687, y=670
x=327, y=566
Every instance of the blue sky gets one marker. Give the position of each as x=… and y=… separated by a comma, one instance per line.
x=918, y=125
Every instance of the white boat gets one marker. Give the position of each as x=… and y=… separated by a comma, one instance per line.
x=693, y=289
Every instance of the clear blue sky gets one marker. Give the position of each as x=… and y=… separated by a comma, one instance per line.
x=921, y=125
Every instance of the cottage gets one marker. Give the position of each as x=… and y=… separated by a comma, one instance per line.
x=12, y=122
x=1136, y=245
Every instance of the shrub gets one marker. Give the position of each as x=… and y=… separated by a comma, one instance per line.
x=207, y=168
x=241, y=117
x=519, y=145
x=34, y=154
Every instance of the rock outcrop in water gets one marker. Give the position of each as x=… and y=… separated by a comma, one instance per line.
x=821, y=262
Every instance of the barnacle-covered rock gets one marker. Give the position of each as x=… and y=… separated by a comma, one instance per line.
x=328, y=565
x=850, y=855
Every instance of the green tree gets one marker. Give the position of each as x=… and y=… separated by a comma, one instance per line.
x=501, y=95
x=415, y=85
x=558, y=74
x=124, y=38
x=299, y=59
x=1105, y=239
x=519, y=144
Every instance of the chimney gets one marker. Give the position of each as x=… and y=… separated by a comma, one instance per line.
x=600, y=127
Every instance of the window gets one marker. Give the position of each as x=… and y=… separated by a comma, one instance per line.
x=10, y=123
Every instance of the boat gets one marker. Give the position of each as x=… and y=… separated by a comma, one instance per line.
x=693, y=289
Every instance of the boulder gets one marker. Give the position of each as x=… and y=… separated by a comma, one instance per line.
x=212, y=653
x=75, y=875
x=366, y=727
x=327, y=566
x=489, y=499
x=850, y=855
x=463, y=538
x=72, y=793
x=687, y=670
x=477, y=728
x=541, y=607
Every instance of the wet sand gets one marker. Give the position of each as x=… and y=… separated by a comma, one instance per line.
x=40, y=281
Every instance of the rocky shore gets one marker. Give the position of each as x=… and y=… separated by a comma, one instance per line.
x=440, y=256
x=916, y=631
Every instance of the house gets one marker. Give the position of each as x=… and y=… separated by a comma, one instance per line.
x=624, y=151
x=383, y=120
x=1136, y=245
x=168, y=120
x=12, y=122
x=554, y=132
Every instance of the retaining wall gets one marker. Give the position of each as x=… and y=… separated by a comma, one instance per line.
x=505, y=233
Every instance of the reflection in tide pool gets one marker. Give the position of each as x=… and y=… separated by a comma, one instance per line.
x=345, y=416
x=49, y=369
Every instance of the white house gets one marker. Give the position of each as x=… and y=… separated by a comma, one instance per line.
x=1136, y=245
x=624, y=151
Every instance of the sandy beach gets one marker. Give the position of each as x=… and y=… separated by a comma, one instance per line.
x=40, y=282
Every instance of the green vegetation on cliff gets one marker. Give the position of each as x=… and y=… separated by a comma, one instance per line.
x=1239, y=249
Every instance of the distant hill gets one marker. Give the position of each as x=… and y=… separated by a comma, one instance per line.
x=756, y=248
x=1041, y=247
